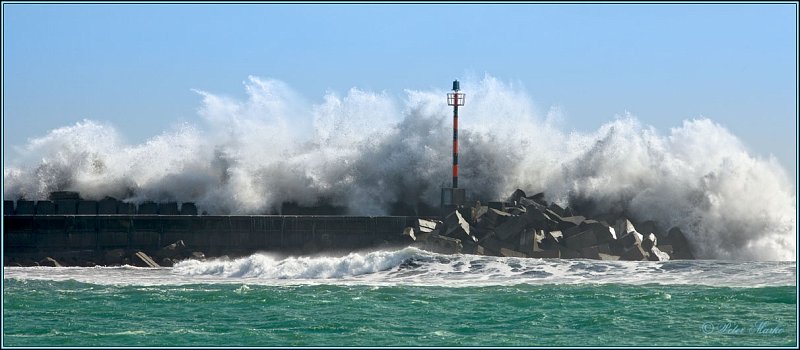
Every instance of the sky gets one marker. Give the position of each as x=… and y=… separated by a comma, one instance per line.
x=137, y=66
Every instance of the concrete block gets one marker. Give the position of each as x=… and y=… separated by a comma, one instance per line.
x=538, y=239
x=478, y=211
x=594, y=252
x=443, y=245
x=649, y=242
x=426, y=225
x=25, y=208
x=168, y=208
x=8, y=208
x=107, y=205
x=143, y=260
x=546, y=254
x=572, y=231
x=517, y=210
x=511, y=228
x=608, y=257
x=555, y=236
x=584, y=239
x=458, y=227
x=555, y=208
x=188, y=208
x=539, y=198
x=45, y=208
x=531, y=204
x=515, y=197
x=531, y=240
x=481, y=232
x=602, y=232
x=623, y=226
x=570, y=221
x=48, y=261
x=147, y=208
x=631, y=239
x=635, y=253
x=539, y=220
x=512, y=253
x=569, y=253
x=126, y=208
x=408, y=233
x=656, y=254
x=66, y=207
x=496, y=205
x=552, y=239
x=174, y=251
x=493, y=245
x=494, y=217
x=422, y=236
x=87, y=208
x=64, y=195
x=666, y=248
x=555, y=218
x=114, y=256
x=526, y=240
x=617, y=248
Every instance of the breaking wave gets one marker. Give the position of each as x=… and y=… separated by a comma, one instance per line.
x=419, y=267
x=266, y=266
x=367, y=152
x=411, y=266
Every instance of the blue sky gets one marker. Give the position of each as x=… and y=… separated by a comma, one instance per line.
x=135, y=65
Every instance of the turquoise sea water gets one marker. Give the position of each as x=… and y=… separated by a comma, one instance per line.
x=406, y=297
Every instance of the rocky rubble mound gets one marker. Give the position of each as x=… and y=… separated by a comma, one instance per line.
x=528, y=226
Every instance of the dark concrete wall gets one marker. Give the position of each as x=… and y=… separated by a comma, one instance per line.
x=212, y=234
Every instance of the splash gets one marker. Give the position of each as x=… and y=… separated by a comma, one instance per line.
x=419, y=267
x=412, y=266
x=267, y=267
x=368, y=152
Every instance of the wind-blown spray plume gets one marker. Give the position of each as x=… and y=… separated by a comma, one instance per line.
x=366, y=153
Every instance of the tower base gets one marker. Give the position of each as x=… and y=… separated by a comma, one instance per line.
x=453, y=197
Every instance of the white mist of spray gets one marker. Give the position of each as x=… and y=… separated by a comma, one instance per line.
x=367, y=151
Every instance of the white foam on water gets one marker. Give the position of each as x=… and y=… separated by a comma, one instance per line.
x=411, y=266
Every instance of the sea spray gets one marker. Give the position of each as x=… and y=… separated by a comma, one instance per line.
x=363, y=152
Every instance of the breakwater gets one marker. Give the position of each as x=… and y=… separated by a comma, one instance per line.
x=212, y=234
x=112, y=232
x=87, y=230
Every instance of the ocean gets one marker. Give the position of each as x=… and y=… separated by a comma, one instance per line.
x=406, y=297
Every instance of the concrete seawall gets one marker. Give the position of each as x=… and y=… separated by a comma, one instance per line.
x=214, y=235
